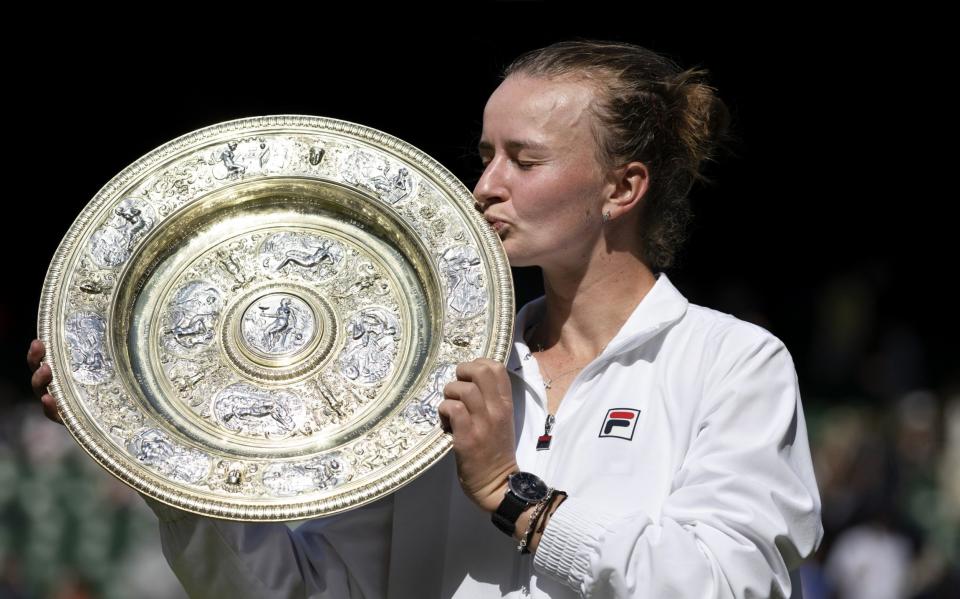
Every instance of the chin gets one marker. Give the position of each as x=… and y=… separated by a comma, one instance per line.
x=517, y=256
x=518, y=260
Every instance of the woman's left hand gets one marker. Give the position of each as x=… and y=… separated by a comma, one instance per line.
x=478, y=410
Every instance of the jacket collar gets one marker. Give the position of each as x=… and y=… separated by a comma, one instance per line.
x=660, y=308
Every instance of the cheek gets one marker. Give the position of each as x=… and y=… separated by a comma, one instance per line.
x=572, y=202
x=559, y=195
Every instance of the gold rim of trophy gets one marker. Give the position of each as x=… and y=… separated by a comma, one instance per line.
x=255, y=321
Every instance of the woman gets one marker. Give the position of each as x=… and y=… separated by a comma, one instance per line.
x=675, y=432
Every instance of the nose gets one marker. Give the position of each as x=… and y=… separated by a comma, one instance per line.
x=491, y=186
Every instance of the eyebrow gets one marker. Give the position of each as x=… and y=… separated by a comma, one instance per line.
x=512, y=145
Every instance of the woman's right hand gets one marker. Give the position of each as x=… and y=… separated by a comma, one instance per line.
x=41, y=378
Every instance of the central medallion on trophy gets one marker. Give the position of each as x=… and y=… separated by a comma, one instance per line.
x=279, y=332
x=278, y=326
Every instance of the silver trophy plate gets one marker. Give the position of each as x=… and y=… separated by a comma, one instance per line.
x=255, y=321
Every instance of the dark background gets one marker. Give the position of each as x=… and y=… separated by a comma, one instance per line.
x=829, y=225
x=828, y=188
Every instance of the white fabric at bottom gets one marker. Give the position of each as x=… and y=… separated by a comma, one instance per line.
x=707, y=492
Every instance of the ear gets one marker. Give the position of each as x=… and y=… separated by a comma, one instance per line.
x=630, y=183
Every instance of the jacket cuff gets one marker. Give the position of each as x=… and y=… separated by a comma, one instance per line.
x=571, y=541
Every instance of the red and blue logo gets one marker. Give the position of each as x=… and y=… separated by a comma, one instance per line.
x=620, y=423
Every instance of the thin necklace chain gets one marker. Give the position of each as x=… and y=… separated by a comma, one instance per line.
x=545, y=440
x=548, y=380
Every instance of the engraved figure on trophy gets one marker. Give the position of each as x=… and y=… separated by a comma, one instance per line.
x=366, y=277
x=278, y=324
x=134, y=217
x=333, y=407
x=186, y=375
x=422, y=412
x=333, y=402
x=195, y=378
x=461, y=268
x=86, y=335
x=371, y=345
x=245, y=157
x=319, y=255
x=292, y=479
x=314, y=257
x=190, y=319
x=393, y=188
x=260, y=407
x=227, y=157
x=374, y=172
x=112, y=243
x=152, y=447
x=232, y=266
x=245, y=409
x=198, y=330
x=278, y=331
x=379, y=448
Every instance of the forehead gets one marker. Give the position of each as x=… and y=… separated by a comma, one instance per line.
x=539, y=109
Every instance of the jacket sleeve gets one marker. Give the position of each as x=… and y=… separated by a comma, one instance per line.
x=743, y=510
x=342, y=556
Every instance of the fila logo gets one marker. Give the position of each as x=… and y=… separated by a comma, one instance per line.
x=620, y=423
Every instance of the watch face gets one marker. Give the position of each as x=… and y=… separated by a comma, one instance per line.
x=528, y=487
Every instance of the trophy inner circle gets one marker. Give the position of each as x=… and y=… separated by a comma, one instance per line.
x=278, y=325
x=280, y=318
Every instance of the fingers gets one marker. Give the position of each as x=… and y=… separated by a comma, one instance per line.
x=489, y=375
x=455, y=416
x=479, y=397
x=50, y=408
x=40, y=379
x=35, y=354
x=445, y=425
x=469, y=394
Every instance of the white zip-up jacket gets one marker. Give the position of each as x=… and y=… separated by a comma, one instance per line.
x=683, y=449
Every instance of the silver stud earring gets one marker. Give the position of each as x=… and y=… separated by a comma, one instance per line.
x=606, y=216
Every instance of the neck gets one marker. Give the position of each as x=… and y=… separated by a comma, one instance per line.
x=587, y=305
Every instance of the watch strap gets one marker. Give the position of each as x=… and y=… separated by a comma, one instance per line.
x=506, y=515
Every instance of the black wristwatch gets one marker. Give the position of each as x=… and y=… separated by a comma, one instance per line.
x=523, y=490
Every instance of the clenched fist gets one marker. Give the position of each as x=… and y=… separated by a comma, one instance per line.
x=478, y=410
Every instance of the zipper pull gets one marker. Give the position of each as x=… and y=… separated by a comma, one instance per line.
x=543, y=441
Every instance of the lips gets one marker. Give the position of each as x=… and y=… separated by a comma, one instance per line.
x=496, y=224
